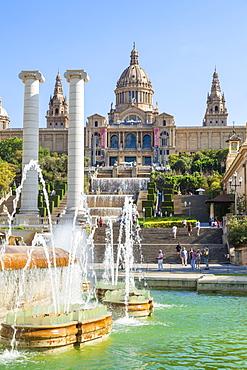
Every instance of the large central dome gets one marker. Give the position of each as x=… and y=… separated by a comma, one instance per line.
x=134, y=75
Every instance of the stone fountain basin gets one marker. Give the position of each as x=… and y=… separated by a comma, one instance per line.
x=139, y=302
x=16, y=257
x=44, y=337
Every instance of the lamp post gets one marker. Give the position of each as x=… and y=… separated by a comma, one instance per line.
x=143, y=211
x=234, y=185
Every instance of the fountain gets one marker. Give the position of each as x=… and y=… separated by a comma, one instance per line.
x=122, y=296
x=125, y=185
x=45, y=290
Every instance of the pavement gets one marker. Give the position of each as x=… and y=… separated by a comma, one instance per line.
x=175, y=268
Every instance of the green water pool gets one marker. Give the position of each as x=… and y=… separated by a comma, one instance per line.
x=187, y=331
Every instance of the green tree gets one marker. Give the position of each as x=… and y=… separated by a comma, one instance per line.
x=9, y=147
x=7, y=175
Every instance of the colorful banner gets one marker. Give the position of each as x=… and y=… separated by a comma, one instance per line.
x=103, y=138
x=156, y=137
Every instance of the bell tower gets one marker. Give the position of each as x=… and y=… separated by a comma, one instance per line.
x=57, y=116
x=216, y=112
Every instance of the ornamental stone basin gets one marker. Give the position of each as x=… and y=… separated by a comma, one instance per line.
x=16, y=257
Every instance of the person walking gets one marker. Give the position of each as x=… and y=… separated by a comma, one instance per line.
x=160, y=260
x=206, y=257
x=190, y=255
x=178, y=249
x=174, y=231
x=183, y=255
x=184, y=223
x=198, y=227
x=189, y=228
x=193, y=260
x=198, y=259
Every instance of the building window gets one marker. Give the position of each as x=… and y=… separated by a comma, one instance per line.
x=56, y=111
x=50, y=123
x=216, y=109
x=210, y=121
x=56, y=124
x=130, y=142
x=61, y=123
x=96, y=124
x=112, y=160
x=146, y=142
x=164, y=122
x=114, y=142
x=148, y=161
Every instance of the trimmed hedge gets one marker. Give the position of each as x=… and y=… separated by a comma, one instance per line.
x=168, y=197
x=150, y=191
x=167, y=204
x=168, y=191
x=148, y=212
x=56, y=199
x=147, y=204
x=163, y=224
x=60, y=192
x=42, y=211
x=151, y=197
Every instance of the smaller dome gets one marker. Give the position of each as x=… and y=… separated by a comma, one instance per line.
x=3, y=112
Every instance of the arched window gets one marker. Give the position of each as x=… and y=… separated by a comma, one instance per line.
x=114, y=142
x=96, y=124
x=146, y=142
x=56, y=111
x=216, y=108
x=164, y=122
x=130, y=141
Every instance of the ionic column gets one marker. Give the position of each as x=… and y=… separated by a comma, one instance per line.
x=76, y=79
x=30, y=147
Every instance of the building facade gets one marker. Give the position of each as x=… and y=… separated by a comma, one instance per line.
x=134, y=131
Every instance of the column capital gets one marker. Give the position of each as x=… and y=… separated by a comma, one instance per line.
x=73, y=73
x=35, y=75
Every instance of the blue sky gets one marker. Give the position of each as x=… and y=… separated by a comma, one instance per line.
x=179, y=43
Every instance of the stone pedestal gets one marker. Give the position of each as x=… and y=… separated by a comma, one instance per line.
x=76, y=79
x=29, y=197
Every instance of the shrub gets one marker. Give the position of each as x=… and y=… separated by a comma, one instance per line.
x=237, y=231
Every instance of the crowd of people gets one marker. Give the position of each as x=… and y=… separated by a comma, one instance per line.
x=193, y=257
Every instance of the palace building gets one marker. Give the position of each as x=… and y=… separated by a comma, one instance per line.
x=134, y=131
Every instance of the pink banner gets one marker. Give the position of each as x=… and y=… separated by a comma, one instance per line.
x=103, y=138
x=156, y=137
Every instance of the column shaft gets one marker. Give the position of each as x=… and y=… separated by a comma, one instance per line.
x=75, y=138
x=29, y=197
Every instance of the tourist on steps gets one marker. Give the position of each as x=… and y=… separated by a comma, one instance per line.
x=174, y=231
x=198, y=259
x=206, y=257
x=189, y=228
x=178, y=249
x=160, y=260
x=183, y=255
x=198, y=227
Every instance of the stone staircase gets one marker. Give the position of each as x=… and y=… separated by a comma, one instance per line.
x=196, y=209
x=155, y=239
